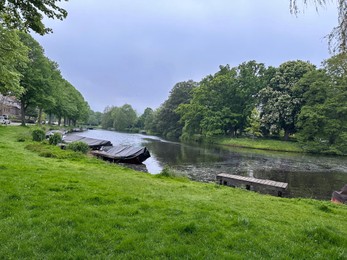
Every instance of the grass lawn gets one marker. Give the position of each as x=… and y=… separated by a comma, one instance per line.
x=264, y=144
x=59, y=204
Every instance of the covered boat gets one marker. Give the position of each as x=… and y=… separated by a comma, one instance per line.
x=340, y=196
x=123, y=154
x=94, y=144
x=52, y=132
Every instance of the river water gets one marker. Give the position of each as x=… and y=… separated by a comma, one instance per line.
x=308, y=176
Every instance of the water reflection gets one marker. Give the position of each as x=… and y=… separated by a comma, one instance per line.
x=307, y=175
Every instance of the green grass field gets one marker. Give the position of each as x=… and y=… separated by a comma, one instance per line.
x=59, y=204
x=263, y=144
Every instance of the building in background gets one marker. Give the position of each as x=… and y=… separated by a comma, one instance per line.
x=9, y=106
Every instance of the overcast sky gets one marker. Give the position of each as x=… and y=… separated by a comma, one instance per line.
x=118, y=52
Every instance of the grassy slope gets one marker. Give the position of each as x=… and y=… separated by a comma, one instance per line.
x=84, y=208
x=264, y=144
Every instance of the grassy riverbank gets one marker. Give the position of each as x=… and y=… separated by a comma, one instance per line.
x=263, y=144
x=58, y=205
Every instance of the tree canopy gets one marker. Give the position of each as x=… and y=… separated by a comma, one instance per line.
x=44, y=88
x=338, y=36
x=13, y=55
x=26, y=15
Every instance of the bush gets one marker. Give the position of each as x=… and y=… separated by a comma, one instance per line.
x=78, y=147
x=38, y=135
x=55, y=139
x=23, y=137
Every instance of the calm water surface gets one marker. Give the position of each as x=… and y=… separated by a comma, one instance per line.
x=307, y=175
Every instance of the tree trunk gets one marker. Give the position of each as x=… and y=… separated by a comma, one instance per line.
x=39, y=117
x=22, y=112
x=286, y=135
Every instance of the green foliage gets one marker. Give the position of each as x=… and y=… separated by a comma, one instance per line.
x=25, y=136
x=46, y=90
x=254, y=124
x=94, y=118
x=78, y=147
x=55, y=139
x=322, y=120
x=145, y=121
x=262, y=144
x=222, y=102
x=38, y=135
x=48, y=151
x=35, y=77
x=337, y=37
x=167, y=122
x=25, y=15
x=281, y=101
x=13, y=54
x=119, y=118
x=171, y=173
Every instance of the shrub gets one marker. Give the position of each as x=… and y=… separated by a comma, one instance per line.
x=55, y=139
x=38, y=135
x=78, y=147
x=24, y=137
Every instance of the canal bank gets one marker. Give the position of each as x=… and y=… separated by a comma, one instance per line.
x=59, y=204
x=308, y=176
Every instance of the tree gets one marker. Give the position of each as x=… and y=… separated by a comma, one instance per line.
x=222, y=102
x=338, y=36
x=214, y=108
x=253, y=121
x=322, y=120
x=94, y=118
x=25, y=15
x=280, y=102
x=146, y=119
x=35, y=75
x=13, y=54
x=121, y=118
x=124, y=117
x=167, y=120
x=106, y=119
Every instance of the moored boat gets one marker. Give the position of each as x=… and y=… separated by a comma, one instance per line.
x=94, y=144
x=340, y=197
x=123, y=154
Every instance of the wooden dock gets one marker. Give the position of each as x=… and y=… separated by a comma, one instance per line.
x=254, y=184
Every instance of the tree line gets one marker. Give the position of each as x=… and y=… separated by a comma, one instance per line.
x=25, y=71
x=36, y=81
x=294, y=101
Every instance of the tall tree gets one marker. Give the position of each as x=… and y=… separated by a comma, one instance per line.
x=13, y=54
x=35, y=76
x=106, y=119
x=146, y=119
x=94, y=118
x=280, y=102
x=124, y=117
x=338, y=36
x=222, y=102
x=322, y=120
x=167, y=120
x=28, y=14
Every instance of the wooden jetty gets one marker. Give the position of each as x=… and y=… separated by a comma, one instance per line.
x=264, y=186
